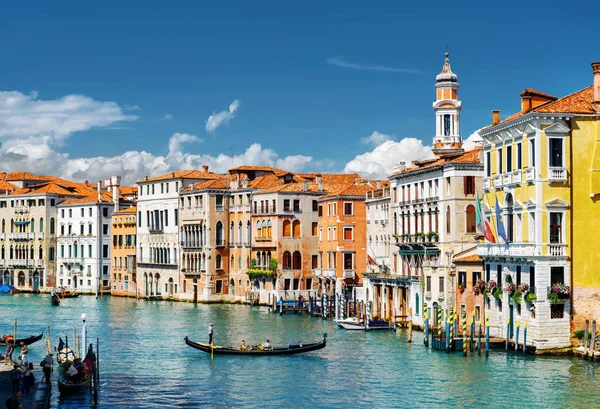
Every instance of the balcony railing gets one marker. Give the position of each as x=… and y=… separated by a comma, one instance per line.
x=557, y=250
x=530, y=174
x=199, y=209
x=514, y=250
x=329, y=272
x=155, y=230
x=517, y=177
x=349, y=274
x=506, y=178
x=318, y=272
x=487, y=183
x=21, y=236
x=557, y=174
x=21, y=209
x=497, y=180
x=219, y=208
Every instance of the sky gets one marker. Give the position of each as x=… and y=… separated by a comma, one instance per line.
x=134, y=88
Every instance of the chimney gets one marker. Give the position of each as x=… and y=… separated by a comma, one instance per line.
x=401, y=167
x=379, y=184
x=526, y=104
x=305, y=186
x=496, y=116
x=205, y=168
x=99, y=189
x=319, y=180
x=596, y=97
x=107, y=184
x=115, y=182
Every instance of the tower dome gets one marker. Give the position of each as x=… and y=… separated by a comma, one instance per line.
x=446, y=74
x=447, y=109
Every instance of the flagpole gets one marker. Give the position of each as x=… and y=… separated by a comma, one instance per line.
x=492, y=215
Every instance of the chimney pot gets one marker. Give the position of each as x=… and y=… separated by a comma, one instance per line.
x=596, y=87
x=526, y=104
x=205, y=168
x=305, y=186
x=495, y=116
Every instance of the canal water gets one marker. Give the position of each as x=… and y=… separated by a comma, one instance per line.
x=145, y=363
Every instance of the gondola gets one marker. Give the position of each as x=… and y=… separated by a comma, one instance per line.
x=67, y=294
x=54, y=299
x=289, y=350
x=65, y=359
x=26, y=341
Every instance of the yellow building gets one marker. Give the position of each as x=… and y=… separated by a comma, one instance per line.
x=542, y=165
x=123, y=275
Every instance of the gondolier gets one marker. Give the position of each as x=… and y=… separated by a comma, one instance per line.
x=210, y=333
x=256, y=351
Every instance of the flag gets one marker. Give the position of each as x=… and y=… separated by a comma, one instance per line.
x=500, y=224
x=371, y=261
x=482, y=222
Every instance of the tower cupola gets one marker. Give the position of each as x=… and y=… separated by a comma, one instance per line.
x=447, y=112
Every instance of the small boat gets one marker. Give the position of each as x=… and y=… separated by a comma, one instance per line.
x=254, y=351
x=9, y=289
x=55, y=299
x=27, y=341
x=374, y=325
x=66, y=384
x=67, y=293
x=349, y=320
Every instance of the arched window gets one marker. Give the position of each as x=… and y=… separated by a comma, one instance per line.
x=32, y=225
x=471, y=219
x=437, y=220
x=11, y=252
x=264, y=230
x=287, y=228
x=297, y=261
x=219, y=234
x=41, y=253
x=296, y=228
x=12, y=226
x=240, y=233
x=218, y=262
x=231, y=234
x=448, y=220
x=395, y=223
x=3, y=226
x=248, y=232
x=2, y=255
x=42, y=225
x=269, y=229
x=259, y=230
x=31, y=253
x=286, y=263
x=417, y=303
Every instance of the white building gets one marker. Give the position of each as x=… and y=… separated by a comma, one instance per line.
x=158, y=248
x=84, y=238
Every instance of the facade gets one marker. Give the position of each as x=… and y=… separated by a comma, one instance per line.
x=531, y=173
x=432, y=217
x=469, y=298
x=123, y=249
x=158, y=246
x=84, y=241
x=380, y=250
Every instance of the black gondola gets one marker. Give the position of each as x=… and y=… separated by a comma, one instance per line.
x=55, y=299
x=26, y=341
x=67, y=385
x=289, y=350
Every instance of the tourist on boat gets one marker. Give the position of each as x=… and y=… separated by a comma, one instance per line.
x=46, y=365
x=24, y=351
x=267, y=346
x=243, y=346
x=210, y=333
x=9, y=350
x=72, y=373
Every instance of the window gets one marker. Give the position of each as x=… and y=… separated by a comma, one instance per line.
x=320, y=210
x=462, y=279
x=219, y=234
x=82, y=212
x=488, y=164
x=509, y=158
x=315, y=226
x=89, y=250
x=81, y=227
x=499, y=275
x=348, y=209
x=105, y=251
x=487, y=273
x=446, y=125
x=296, y=228
x=469, y=182
x=500, y=164
x=532, y=278
x=557, y=311
x=218, y=261
x=555, y=227
x=348, y=234
x=176, y=217
x=556, y=152
x=105, y=212
x=518, y=275
x=52, y=226
x=62, y=250
x=90, y=229
x=471, y=222
x=428, y=284
x=335, y=209
x=315, y=261
x=348, y=261
x=476, y=277
x=532, y=153
x=287, y=228
x=105, y=229
x=296, y=205
x=315, y=205
x=286, y=205
x=441, y=283
x=448, y=220
x=557, y=275
x=519, y=154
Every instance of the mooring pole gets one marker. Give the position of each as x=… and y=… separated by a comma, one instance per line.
x=487, y=334
x=517, y=338
x=507, y=329
x=464, y=337
x=524, y=337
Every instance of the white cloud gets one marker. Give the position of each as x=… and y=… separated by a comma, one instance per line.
x=376, y=138
x=340, y=62
x=177, y=139
x=380, y=162
x=168, y=117
x=473, y=140
x=216, y=120
x=27, y=116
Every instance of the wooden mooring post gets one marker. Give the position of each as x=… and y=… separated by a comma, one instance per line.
x=585, y=339
x=593, y=340
x=517, y=338
x=507, y=330
x=426, y=317
x=524, y=337
x=487, y=334
x=409, y=325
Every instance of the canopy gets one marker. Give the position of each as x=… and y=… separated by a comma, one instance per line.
x=7, y=288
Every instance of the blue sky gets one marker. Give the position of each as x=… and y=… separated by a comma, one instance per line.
x=187, y=60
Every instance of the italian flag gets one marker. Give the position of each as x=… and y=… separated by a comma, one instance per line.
x=482, y=223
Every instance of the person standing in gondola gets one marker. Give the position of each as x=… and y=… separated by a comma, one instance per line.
x=47, y=367
x=210, y=333
x=9, y=351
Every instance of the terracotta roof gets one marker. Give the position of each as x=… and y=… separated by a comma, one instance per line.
x=359, y=190
x=183, y=174
x=6, y=187
x=257, y=168
x=129, y=210
x=533, y=92
x=470, y=156
x=222, y=183
x=468, y=259
x=14, y=176
x=265, y=182
x=48, y=187
x=128, y=190
x=579, y=102
x=106, y=198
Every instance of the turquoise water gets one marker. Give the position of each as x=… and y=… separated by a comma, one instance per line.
x=145, y=363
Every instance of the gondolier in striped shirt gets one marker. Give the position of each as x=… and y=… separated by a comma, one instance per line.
x=210, y=333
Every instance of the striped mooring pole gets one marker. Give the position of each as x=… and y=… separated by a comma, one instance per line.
x=449, y=329
x=524, y=337
x=426, y=316
x=517, y=338
x=464, y=329
x=487, y=334
x=472, y=344
x=507, y=329
x=439, y=322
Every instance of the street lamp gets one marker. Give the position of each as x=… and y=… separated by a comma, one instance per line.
x=83, y=336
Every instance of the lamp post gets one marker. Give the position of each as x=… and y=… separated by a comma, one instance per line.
x=83, y=335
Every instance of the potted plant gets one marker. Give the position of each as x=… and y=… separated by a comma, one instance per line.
x=462, y=288
x=432, y=236
x=558, y=292
x=492, y=288
x=396, y=237
x=510, y=289
x=530, y=297
x=420, y=237
x=479, y=288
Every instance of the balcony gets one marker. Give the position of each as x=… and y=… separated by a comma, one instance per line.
x=428, y=294
x=21, y=209
x=17, y=262
x=506, y=178
x=487, y=183
x=329, y=272
x=378, y=194
x=21, y=236
x=349, y=274
x=557, y=250
x=219, y=208
x=501, y=250
x=497, y=180
x=557, y=174
x=530, y=174
x=517, y=177
x=155, y=230
x=318, y=272
x=432, y=199
x=247, y=208
x=191, y=245
x=191, y=273
x=199, y=209
x=40, y=236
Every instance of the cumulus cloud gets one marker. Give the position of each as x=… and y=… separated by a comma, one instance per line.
x=340, y=62
x=380, y=162
x=217, y=119
x=473, y=140
x=25, y=115
x=168, y=117
x=177, y=139
x=376, y=138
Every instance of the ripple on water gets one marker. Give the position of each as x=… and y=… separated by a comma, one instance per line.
x=145, y=363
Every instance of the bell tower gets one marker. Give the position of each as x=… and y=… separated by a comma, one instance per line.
x=447, y=112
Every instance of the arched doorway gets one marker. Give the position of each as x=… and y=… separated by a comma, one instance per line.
x=36, y=281
x=74, y=281
x=7, y=278
x=171, y=287
x=21, y=279
x=232, y=286
x=157, y=282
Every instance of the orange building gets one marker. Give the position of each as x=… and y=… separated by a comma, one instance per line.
x=468, y=270
x=342, y=238
x=123, y=265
